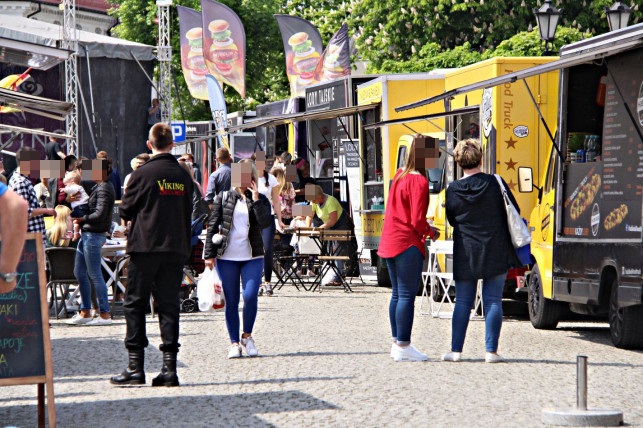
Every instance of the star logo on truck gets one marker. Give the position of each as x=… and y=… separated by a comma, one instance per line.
x=512, y=185
x=511, y=143
x=511, y=164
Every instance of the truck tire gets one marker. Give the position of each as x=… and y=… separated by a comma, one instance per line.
x=383, y=278
x=626, y=324
x=543, y=313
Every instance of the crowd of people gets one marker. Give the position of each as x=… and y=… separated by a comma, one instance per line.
x=245, y=205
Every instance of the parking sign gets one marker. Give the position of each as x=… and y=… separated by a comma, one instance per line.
x=178, y=131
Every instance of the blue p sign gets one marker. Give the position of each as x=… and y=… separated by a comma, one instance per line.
x=178, y=131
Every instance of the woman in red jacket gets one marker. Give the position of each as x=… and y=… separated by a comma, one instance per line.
x=402, y=246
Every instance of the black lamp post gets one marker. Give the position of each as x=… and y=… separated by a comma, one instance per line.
x=618, y=15
x=547, y=17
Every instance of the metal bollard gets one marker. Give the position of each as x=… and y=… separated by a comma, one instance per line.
x=581, y=382
x=581, y=416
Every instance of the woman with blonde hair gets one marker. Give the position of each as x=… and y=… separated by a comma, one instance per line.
x=60, y=233
x=402, y=246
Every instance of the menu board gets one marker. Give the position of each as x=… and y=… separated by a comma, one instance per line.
x=22, y=351
x=623, y=149
x=604, y=199
x=25, y=347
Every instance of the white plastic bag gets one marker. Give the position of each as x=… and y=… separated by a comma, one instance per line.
x=209, y=291
x=520, y=234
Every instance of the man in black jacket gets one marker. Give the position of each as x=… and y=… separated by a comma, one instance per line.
x=158, y=202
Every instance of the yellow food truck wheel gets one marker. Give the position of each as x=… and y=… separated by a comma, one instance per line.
x=543, y=313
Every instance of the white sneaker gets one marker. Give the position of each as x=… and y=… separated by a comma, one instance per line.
x=490, y=357
x=393, y=347
x=249, y=344
x=451, y=356
x=235, y=351
x=408, y=353
x=78, y=319
x=100, y=321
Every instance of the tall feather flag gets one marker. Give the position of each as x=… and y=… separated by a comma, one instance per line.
x=224, y=45
x=219, y=110
x=192, y=61
x=302, y=45
x=335, y=62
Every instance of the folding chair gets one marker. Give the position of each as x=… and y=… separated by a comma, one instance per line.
x=330, y=257
x=61, y=276
x=437, y=285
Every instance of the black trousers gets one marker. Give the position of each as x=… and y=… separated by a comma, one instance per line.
x=160, y=274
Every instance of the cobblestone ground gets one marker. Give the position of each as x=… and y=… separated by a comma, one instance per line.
x=324, y=361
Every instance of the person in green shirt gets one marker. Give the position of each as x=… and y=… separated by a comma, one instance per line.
x=333, y=216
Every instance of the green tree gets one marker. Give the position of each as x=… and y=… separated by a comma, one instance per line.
x=395, y=30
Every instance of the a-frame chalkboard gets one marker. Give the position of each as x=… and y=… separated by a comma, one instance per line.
x=25, y=347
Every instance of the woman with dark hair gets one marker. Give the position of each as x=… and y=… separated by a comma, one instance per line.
x=482, y=248
x=199, y=206
x=402, y=246
x=303, y=176
x=94, y=226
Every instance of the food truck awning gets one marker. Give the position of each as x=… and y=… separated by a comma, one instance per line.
x=37, y=105
x=574, y=54
x=457, y=112
x=299, y=117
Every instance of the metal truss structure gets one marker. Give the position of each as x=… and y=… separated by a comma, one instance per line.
x=164, y=55
x=70, y=42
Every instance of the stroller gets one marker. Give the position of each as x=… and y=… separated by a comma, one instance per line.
x=193, y=268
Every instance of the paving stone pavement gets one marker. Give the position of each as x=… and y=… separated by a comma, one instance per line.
x=324, y=361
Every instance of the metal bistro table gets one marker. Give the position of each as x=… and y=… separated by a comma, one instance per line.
x=328, y=253
x=113, y=251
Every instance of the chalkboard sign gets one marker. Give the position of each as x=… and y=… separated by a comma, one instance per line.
x=25, y=347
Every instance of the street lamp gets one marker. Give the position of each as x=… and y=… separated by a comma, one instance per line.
x=618, y=15
x=547, y=17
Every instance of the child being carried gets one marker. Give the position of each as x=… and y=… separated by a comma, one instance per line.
x=79, y=207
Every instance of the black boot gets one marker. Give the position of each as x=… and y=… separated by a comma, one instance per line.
x=134, y=373
x=168, y=376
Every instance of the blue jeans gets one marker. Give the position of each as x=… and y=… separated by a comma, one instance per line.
x=87, y=268
x=405, y=271
x=268, y=236
x=465, y=294
x=248, y=274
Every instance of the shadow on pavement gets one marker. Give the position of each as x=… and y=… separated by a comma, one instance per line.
x=172, y=410
x=271, y=381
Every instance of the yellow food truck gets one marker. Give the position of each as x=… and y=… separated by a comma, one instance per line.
x=379, y=146
x=505, y=120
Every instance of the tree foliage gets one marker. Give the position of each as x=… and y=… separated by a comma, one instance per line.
x=394, y=30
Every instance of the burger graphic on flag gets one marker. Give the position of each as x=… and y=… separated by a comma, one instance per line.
x=223, y=52
x=195, y=62
x=333, y=64
x=305, y=58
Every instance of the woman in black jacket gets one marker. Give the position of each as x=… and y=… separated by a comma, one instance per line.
x=237, y=218
x=88, y=254
x=482, y=248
